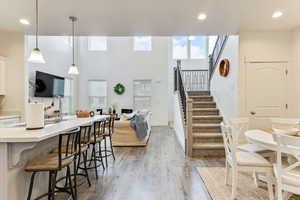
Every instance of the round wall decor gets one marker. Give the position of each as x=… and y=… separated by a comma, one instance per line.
x=119, y=89
x=224, y=67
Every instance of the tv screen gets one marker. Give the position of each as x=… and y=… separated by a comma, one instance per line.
x=48, y=85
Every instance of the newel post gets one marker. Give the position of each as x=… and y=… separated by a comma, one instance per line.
x=189, y=127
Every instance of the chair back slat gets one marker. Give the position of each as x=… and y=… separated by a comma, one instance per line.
x=230, y=142
x=85, y=134
x=111, y=124
x=288, y=145
x=99, y=128
x=67, y=146
x=239, y=127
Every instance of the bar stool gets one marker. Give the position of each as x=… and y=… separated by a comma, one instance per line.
x=108, y=134
x=55, y=162
x=97, y=137
x=84, y=137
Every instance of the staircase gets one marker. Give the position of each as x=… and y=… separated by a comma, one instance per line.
x=200, y=115
x=206, y=129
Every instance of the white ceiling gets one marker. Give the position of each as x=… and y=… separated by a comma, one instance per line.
x=150, y=17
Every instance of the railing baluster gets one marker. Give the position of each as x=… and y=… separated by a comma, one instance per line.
x=194, y=80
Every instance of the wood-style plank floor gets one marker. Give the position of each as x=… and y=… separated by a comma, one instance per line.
x=159, y=171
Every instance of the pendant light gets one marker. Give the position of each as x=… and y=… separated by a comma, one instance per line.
x=36, y=55
x=73, y=70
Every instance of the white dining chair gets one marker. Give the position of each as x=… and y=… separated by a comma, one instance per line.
x=278, y=123
x=237, y=161
x=287, y=173
x=240, y=126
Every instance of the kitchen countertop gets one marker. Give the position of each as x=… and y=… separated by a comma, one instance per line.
x=3, y=117
x=17, y=134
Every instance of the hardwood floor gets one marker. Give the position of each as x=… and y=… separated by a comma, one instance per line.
x=158, y=171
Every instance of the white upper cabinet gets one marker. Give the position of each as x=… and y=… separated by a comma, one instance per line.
x=2, y=75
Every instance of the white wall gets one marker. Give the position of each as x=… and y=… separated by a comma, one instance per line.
x=12, y=47
x=296, y=69
x=225, y=89
x=178, y=122
x=121, y=64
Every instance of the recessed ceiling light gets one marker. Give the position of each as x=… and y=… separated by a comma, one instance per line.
x=202, y=16
x=24, y=21
x=277, y=14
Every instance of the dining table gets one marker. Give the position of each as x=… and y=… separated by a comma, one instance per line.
x=265, y=137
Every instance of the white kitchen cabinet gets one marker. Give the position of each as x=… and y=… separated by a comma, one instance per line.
x=2, y=75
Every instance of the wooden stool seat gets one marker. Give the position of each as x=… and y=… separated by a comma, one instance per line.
x=64, y=149
x=47, y=163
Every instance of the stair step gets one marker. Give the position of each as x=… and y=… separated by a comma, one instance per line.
x=199, y=93
x=205, y=111
x=203, y=138
x=208, y=150
x=208, y=146
x=210, y=119
x=207, y=135
x=206, y=128
x=201, y=98
x=204, y=105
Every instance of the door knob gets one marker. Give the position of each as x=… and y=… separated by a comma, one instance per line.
x=252, y=113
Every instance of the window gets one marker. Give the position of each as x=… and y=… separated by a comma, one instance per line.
x=67, y=100
x=211, y=43
x=192, y=47
x=198, y=48
x=142, y=92
x=180, y=47
x=97, y=94
x=96, y=43
x=143, y=43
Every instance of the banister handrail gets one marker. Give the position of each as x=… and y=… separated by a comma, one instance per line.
x=215, y=56
x=181, y=89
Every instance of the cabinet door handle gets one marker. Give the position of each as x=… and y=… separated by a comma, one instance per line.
x=252, y=113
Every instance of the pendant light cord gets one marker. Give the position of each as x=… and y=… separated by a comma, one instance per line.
x=73, y=42
x=36, y=23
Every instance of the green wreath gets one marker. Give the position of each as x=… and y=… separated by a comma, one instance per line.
x=119, y=89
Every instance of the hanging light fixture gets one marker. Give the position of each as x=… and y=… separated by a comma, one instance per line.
x=36, y=55
x=73, y=69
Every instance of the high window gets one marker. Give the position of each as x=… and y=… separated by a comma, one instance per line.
x=190, y=47
x=142, y=92
x=68, y=94
x=97, y=94
x=97, y=43
x=142, y=43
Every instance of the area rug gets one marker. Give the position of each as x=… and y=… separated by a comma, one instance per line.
x=214, y=179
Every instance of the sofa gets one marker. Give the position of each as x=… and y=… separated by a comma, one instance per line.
x=125, y=136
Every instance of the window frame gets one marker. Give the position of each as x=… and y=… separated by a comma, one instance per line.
x=138, y=50
x=105, y=97
x=142, y=96
x=70, y=97
x=99, y=50
x=189, y=42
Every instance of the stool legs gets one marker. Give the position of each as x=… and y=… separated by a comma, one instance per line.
x=31, y=185
x=100, y=156
x=70, y=182
x=111, y=148
x=105, y=147
x=75, y=178
x=85, y=168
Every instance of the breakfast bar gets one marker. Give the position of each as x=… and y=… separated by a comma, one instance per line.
x=18, y=145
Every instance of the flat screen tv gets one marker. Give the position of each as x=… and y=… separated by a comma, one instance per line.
x=48, y=85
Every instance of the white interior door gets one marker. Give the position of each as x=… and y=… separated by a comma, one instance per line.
x=266, y=94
